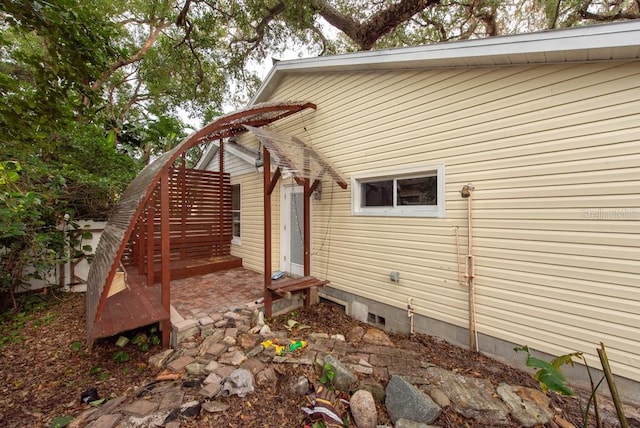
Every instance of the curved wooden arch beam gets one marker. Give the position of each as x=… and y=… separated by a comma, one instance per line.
x=131, y=205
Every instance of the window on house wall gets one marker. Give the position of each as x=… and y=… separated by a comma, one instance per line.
x=410, y=192
x=235, y=212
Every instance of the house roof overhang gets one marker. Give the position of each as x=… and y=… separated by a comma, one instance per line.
x=617, y=41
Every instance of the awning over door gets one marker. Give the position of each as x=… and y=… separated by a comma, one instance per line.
x=293, y=156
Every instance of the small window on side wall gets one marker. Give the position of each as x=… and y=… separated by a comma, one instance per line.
x=235, y=213
x=410, y=192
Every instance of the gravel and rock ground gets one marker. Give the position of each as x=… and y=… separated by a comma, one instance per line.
x=224, y=376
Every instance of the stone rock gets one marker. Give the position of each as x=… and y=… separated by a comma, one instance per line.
x=406, y=401
x=339, y=337
x=155, y=419
x=222, y=323
x=215, y=336
x=265, y=331
x=224, y=370
x=93, y=414
x=193, y=352
x=376, y=336
x=363, y=409
x=231, y=332
x=439, y=397
x=205, y=321
x=212, y=378
x=362, y=367
x=188, y=345
x=229, y=340
x=232, y=315
x=355, y=334
x=84, y=418
x=159, y=360
x=211, y=390
x=195, y=369
x=344, y=379
x=267, y=376
x=105, y=421
x=253, y=365
x=184, y=325
x=216, y=316
x=376, y=390
x=214, y=406
x=240, y=382
x=140, y=408
x=248, y=341
x=529, y=406
x=180, y=363
x=212, y=366
x=256, y=350
x=191, y=409
x=172, y=399
x=316, y=336
x=471, y=397
x=301, y=386
x=407, y=423
x=216, y=349
x=234, y=358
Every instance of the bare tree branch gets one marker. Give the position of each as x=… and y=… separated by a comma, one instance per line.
x=609, y=17
x=365, y=35
x=153, y=36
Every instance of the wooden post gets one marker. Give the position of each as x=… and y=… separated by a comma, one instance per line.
x=141, y=228
x=306, y=193
x=150, y=239
x=166, y=254
x=266, y=168
x=182, y=191
x=218, y=251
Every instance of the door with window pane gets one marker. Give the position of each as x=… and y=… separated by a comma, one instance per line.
x=292, y=231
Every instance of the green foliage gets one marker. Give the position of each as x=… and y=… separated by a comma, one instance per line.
x=31, y=308
x=121, y=356
x=61, y=421
x=548, y=374
x=328, y=374
x=32, y=241
x=99, y=373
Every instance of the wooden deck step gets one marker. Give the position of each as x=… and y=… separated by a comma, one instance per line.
x=286, y=286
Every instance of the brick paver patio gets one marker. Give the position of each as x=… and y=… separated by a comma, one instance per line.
x=216, y=292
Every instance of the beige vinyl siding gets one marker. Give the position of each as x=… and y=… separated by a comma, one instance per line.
x=251, y=248
x=551, y=149
x=232, y=164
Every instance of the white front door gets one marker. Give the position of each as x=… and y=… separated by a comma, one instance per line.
x=292, y=231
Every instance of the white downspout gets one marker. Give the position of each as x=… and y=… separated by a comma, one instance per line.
x=466, y=193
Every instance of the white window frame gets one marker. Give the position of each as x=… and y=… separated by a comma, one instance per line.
x=437, y=211
x=236, y=240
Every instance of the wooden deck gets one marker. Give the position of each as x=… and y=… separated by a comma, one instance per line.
x=187, y=268
x=141, y=305
x=132, y=308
